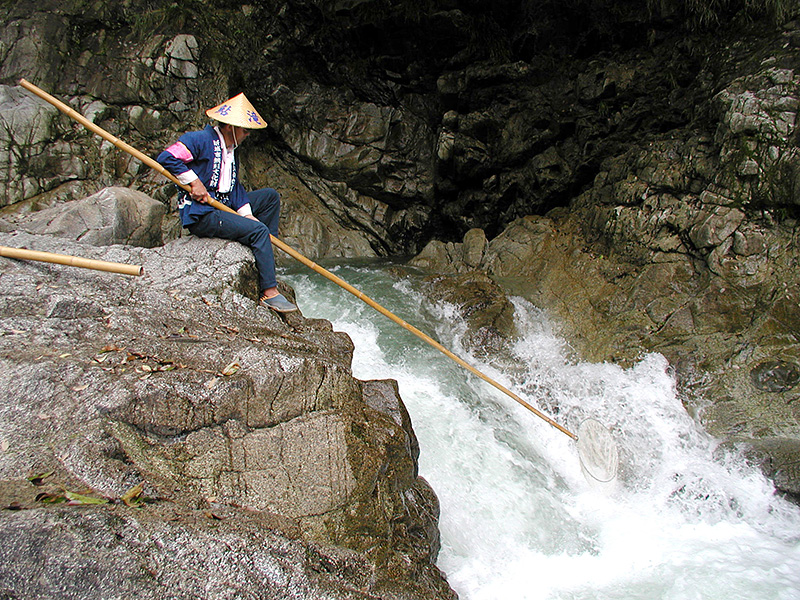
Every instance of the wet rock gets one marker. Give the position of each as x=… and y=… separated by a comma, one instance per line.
x=778, y=458
x=479, y=300
x=775, y=376
x=384, y=396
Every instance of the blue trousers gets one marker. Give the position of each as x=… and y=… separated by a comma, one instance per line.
x=266, y=205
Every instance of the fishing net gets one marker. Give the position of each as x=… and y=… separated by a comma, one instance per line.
x=598, y=452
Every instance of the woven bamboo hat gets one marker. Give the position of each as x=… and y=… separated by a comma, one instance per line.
x=237, y=111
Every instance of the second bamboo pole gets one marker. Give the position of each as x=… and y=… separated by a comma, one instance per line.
x=72, y=261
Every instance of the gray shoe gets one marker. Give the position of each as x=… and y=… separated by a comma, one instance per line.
x=278, y=303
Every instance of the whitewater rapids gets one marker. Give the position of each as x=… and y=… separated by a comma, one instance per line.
x=519, y=521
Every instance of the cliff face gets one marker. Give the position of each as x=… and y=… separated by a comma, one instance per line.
x=390, y=123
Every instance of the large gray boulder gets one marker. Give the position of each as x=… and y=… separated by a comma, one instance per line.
x=113, y=215
x=179, y=383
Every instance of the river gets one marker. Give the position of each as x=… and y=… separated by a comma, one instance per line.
x=518, y=518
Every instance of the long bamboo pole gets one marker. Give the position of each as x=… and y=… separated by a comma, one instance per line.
x=72, y=261
x=294, y=254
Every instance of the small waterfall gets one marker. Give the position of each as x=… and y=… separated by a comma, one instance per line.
x=519, y=520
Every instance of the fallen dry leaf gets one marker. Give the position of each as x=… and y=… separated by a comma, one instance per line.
x=50, y=498
x=231, y=369
x=39, y=478
x=75, y=499
x=133, y=497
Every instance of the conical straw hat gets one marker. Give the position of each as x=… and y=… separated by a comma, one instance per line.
x=237, y=111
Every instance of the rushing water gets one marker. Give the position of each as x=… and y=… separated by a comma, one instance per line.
x=519, y=520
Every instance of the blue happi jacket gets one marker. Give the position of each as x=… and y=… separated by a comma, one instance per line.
x=201, y=151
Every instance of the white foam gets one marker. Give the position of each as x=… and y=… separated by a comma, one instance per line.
x=519, y=521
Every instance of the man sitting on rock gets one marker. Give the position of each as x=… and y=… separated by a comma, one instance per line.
x=207, y=162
